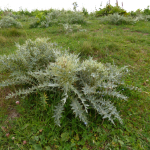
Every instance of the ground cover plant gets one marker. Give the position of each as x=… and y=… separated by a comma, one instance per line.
x=28, y=123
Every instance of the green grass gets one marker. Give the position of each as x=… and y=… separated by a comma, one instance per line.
x=122, y=45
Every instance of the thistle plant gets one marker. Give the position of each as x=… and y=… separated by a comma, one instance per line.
x=140, y=17
x=70, y=28
x=117, y=19
x=7, y=22
x=39, y=66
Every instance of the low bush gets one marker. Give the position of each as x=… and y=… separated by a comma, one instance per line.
x=117, y=19
x=39, y=66
x=7, y=22
x=76, y=18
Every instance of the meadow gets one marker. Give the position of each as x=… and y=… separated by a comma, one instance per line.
x=26, y=119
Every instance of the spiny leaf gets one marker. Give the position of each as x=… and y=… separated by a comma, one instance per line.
x=83, y=100
x=58, y=113
x=77, y=109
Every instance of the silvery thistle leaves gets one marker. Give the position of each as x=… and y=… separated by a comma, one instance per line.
x=41, y=66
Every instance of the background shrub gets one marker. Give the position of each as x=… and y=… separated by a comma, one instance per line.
x=109, y=9
x=7, y=22
x=147, y=11
x=55, y=17
x=76, y=18
x=117, y=19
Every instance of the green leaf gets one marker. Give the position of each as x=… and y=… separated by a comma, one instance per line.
x=121, y=142
x=79, y=112
x=48, y=148
x=65, y=136
x=36, y=138
x=32, y=142
x=77, y=137
x=25, y=126
x=58, y=113
x=37, y=147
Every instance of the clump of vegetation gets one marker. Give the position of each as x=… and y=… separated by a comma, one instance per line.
x=146, y=11
x=56, y=17
x=109, y=9
x=41, y=67
x=24, y=12
x=136, y=13
x=141, y=17
x=117, y=19
x=148, y=17
x=84, y=11
x=71, y=28
x=7, y=22
x=76, y=18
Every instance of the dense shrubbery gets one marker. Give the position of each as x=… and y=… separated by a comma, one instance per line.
x=117, y=19
x=146, y=11
x=24, y=12
x=141, y=13
x=7, y=22
x=40, y=66
x=109, y=9
x=56, y=17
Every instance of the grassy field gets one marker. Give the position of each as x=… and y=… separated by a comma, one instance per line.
x=27, y=127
